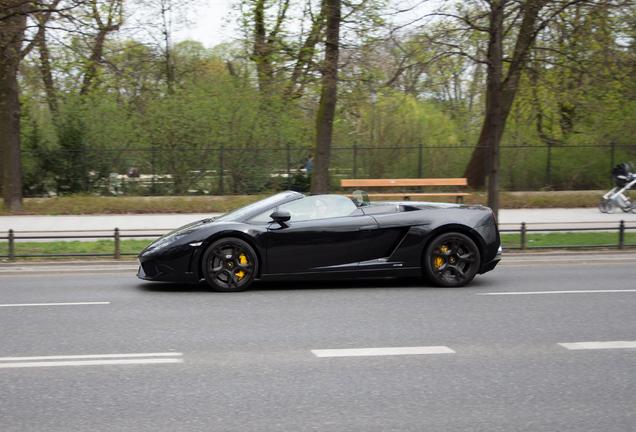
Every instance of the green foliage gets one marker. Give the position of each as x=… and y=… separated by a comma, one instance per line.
x=390, y=132
x=424, y=119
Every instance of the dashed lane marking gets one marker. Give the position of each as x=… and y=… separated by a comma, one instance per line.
x=54, y=304
x=598, y=345
x=90, y=360
x=392, y=351
x=558, y=292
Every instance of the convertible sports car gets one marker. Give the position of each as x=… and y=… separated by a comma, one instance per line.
x=293, y=236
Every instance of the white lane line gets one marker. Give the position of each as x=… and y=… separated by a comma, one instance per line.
x=599, y=345
x=89, y=363
x=92, y=356
x=559, y=292
x=363, y=352
x=53, y=304
x=90, y=360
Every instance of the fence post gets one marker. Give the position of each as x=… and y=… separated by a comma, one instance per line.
x=288, y=166
x=621, y=235
x=221, y=169
x=153, y=168
x=548, y=167
x=523, y=236
x=11, y=245
x=420, y=162
x=117, y=254
x=612, y=155
x=355, y=161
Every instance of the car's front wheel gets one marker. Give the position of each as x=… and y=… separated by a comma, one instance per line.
x=230, y=264
x=451, y=260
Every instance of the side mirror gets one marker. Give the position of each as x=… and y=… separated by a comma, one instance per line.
x=280, y=217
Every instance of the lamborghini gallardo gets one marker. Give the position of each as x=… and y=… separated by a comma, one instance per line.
x=305, y=237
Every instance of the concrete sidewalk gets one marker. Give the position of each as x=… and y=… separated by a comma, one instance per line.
x=158, y=223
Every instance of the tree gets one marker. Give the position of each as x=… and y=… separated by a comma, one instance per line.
x=275, y=51
x=40, y=42
x=158, y=19
x=511, y=29
x=501, y=89
x=12, y=30
x=108, y=16
x=328, y=98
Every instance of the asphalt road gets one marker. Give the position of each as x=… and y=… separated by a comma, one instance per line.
x=191, y=360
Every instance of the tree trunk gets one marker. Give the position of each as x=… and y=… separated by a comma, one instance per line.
x=262, y=49
x=45, y=71
x=11, y=37
x=113, y=21
x=328, y=99
x=305, y=57
x=93, y=62
x=166, y=7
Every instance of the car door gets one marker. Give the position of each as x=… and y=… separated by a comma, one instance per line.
x=334, y=244
x=318, y=243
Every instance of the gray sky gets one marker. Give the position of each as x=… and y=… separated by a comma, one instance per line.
x=210, y=23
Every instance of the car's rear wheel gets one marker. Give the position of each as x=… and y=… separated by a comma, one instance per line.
x=230, y=264
x=451, y=260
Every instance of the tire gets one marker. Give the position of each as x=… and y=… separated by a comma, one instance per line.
x=230, y=265
x=606, y=205
x=451, y=260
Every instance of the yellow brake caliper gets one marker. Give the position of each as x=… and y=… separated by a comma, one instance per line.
x=439, y=261
x=243, y=261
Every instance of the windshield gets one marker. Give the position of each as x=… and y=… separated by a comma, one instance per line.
x=257, y=207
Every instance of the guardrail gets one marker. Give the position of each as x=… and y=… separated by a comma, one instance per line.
x=523, y=231
x=13, y=237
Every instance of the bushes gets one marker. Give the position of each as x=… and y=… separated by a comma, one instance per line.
x=221, y=122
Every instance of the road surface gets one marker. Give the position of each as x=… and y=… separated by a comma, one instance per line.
x=542, y=343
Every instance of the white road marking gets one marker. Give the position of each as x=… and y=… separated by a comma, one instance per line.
x=89, y=363
x=363, y=352
x=599, y=345
x=92, y=356
x=90, y=360
x=53, y=304
x=559, y=292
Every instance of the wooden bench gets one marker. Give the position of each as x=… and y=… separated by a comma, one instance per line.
x=411, y=182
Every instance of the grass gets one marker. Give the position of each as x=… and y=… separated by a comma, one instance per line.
x=74, y=247
x=510, y=240
x=88, y=204
x=564, y=239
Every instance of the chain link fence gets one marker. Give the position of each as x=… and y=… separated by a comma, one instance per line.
x=223, y=170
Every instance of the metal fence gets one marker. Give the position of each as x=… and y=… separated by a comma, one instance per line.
x=621, y=243
x=14, y=238
x=224, y=170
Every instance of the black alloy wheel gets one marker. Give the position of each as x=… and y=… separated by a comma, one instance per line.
x=230, y=265
x=451, y=260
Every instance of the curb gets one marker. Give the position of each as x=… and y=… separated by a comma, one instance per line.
x=132, y=262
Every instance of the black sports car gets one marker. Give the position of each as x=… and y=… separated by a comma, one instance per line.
x=293, y=236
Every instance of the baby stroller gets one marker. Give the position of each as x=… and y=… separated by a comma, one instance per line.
x=625, y=179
